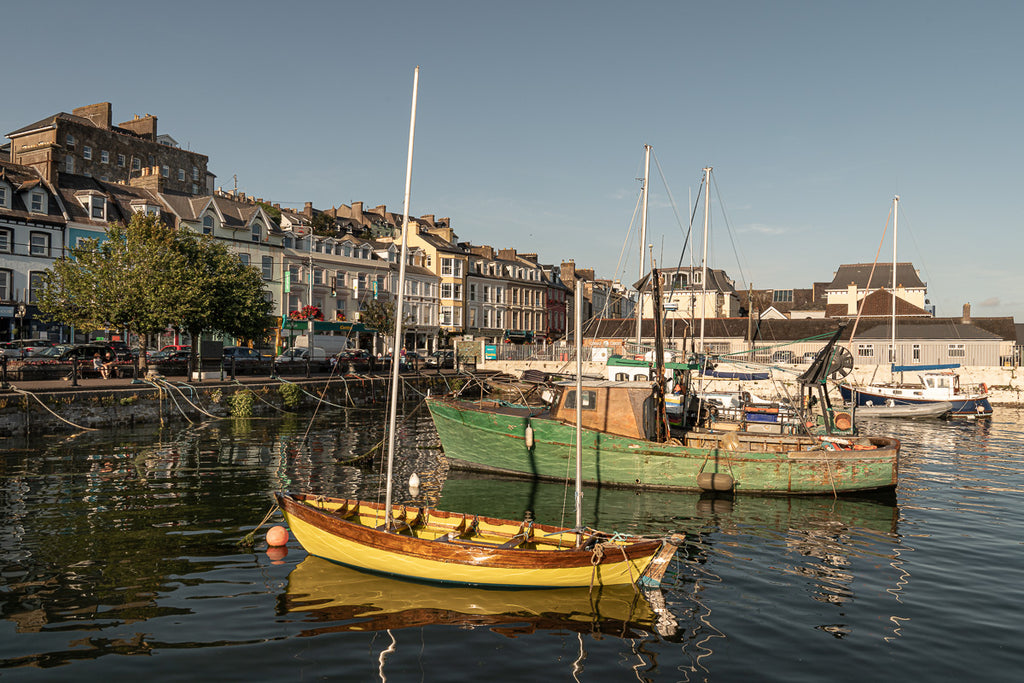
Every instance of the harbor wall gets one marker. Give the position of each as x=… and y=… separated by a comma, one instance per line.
x=56, y=410
x=1005, y=384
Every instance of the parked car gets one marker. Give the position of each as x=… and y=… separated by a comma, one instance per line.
x=295, y=358
x=443, y=358
x=123, y=351
x=809, y=357
x=85, y=352
x=355, y=360
x=243, y=359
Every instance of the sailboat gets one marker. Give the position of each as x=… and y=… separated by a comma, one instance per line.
x=938, y=384
x=458, y=548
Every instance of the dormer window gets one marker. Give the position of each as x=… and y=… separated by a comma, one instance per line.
x=288, y=242
x=97, y=207
x=207, y=224
x=4, y=195
x=257, y=231
x=37, y=202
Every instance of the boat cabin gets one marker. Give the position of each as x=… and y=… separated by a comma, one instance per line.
x=620, y=408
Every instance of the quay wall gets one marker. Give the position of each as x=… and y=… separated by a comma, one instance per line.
x=95, y=405
x=1005, y=384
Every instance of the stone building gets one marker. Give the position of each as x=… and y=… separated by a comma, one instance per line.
x=87, y=143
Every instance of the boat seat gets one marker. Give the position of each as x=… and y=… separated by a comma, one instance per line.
x=525, y=535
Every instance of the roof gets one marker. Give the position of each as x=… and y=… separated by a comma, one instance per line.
x=858, y=274
x=977, y=329
x=22, y=178
x=878, y=304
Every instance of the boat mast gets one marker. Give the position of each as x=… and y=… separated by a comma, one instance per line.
x=704, y=257
x=895, y=220
x=399, y=296
x=579, y=412
x=643, y=241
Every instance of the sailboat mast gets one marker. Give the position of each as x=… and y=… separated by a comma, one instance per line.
x=643, y=241
x=704, y=257
x=895, y=220
x=399, y=297
x=579, y=410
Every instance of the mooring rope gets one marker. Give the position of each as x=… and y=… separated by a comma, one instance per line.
x=38, y=400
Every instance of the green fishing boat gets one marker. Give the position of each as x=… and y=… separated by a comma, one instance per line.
x=626, y=442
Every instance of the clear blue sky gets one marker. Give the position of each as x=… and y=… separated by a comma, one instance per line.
x=532, y=119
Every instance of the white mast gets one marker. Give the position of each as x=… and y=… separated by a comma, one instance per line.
x=895, y=212
x=400, y=296
x=704, y=257
x=643, y=241
x=579, y=410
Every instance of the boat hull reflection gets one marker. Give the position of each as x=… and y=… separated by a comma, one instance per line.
x=345, y=600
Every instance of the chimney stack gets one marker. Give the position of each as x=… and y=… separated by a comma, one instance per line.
x=966, y=320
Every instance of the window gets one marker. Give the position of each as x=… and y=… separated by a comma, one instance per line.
x=268, y=267
x=318, y=276
x=446, y=290
x=916, y=353
x=70, y=140
x=195, y=173
x=472, y=292
x=783, y=296
x=195, y=189
x=36, y=202
x=165, y=171
x=451, y=267
x=6, y=285
x=39, y=244
x=6, y=241
x=136, y=164
x=244, y=258
x=589, y=400
x=120, y=160
x=207, y=224
x=257, y=230
x=957, y=351
x=348, y=251
x=891, y=353
x=69, y=164
x=3, y=196
x=87, y=152
x=98, y=207
x=104, y=157
x=35, y=285
x=865, y=350
x=181, y=175
x=451, y=316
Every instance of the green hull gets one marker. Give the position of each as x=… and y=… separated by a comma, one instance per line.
x=491, y=438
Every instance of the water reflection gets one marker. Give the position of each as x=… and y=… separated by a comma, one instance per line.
x=126, y=543
x=341, y=599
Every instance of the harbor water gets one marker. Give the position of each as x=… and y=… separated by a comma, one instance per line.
x=120, y=559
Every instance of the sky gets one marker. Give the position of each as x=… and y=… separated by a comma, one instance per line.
x=532, y=119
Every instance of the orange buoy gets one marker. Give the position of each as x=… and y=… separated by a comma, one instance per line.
x=277, y=536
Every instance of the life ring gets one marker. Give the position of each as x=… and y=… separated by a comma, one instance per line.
x=983, y=387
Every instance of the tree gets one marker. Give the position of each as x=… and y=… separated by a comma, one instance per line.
x=379, y=314
x=115, y=282
x=148, y=276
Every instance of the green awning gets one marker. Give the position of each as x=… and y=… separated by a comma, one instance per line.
x=324, y=326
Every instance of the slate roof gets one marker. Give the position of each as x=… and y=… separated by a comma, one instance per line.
x=988, y=329
x=22, y=178
x=858, y=273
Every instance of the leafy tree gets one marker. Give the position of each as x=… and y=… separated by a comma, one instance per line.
x=379, y=314
x=148, y=276
x=323, y=224
x=272, y=211
x=117, y=282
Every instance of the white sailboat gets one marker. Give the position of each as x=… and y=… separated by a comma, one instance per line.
x=937, y=385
